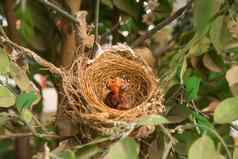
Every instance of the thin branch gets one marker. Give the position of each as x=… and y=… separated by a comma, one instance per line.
x=167, y=150
x=51, y=67
x=61, y=11
x=20, y=135
x=97, y=20
x=161, y=25
x=165, y=131
x=8, y=7
x=13, y=136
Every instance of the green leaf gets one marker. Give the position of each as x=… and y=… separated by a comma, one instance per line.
x=4, y=117
x=152, y=120
x=7, y=98
x=20, y=76
x=108, y=3
x=126, y=148
x=192, y=87
x=88, y=151
x=178, y=113
x=203, y=13
x=227, y=111
x=68, y=154
x=26, y=115
x=4, y=62
x=216, y=33
x=202, y=148
x=25, y=100
x=128, y=6
x=204, y=122
x=199, y=47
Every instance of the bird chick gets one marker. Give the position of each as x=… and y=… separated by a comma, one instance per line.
x=116, y=97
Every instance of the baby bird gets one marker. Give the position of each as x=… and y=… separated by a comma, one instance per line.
x=116, y=97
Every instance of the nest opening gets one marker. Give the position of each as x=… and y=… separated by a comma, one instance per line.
x=111, y=66
x=138, y=87
x=85, y=85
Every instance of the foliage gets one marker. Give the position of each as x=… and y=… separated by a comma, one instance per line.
x=197, y=58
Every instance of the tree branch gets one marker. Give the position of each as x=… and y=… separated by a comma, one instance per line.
x=8, y=7
x=168, y=20
x=51, y=67
x=97, y=20
x=61, y=11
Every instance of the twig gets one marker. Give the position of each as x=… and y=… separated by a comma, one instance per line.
x=39, y=123
x=51, y=67
x=168, y=20
x=165, y=131
x=2, y=32
x=8, y=7
x=167, y=150
x=19, y=135
x=61, y=11
x=97, y=20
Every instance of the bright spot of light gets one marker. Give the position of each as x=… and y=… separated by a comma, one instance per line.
x=125, y=33
x=150, y=27
x=148, y=11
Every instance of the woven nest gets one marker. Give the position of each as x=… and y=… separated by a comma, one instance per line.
x=85, y=87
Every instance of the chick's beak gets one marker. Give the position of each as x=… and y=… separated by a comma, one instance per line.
x=125, y=86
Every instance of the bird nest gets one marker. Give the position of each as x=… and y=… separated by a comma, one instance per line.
x=85, y=86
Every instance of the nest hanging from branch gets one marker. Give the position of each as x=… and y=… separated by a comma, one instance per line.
x=84, y=85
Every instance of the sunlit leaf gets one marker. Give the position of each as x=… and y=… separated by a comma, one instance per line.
x=210, y=64
x=227, y=111
x=4, y=117
x=203, y=12
x=211, y=107
x=234, y=89
x=88, y=151
x=20, y=76
x=202, y=148
x=68, y=154
x=125, y=148
x=216, y=33
x=26, y=115
x=232, y=75
x=7, y=98
x=192, y=87
x=4, y=62
x=200, y=47
x=25, y=100
x=152, y=120
x=108, y=3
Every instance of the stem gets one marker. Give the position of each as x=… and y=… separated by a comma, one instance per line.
x=61, y=11
x=167, y=150
x=97, y=20
x=8, y=7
